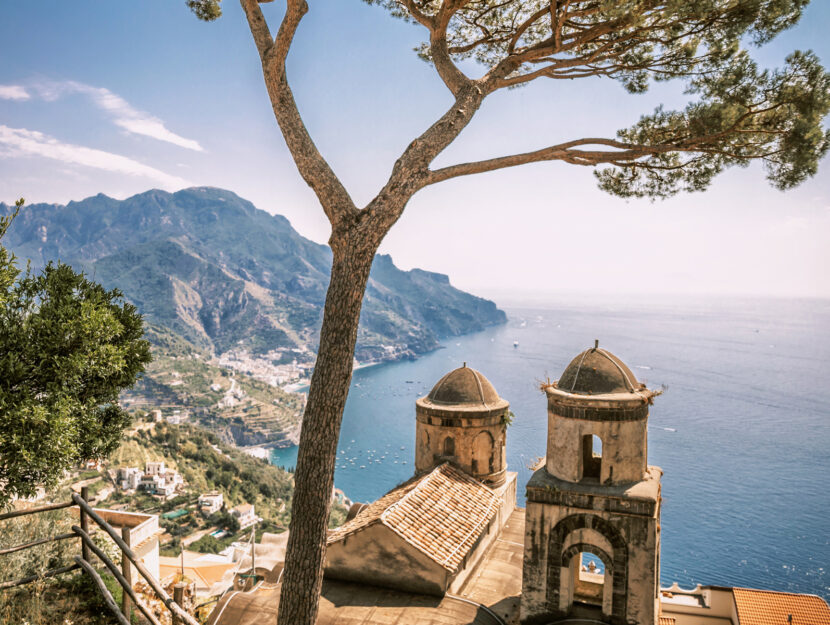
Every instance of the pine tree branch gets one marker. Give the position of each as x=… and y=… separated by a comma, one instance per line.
x=626, y=153
x=315, y=170
x=447, y=70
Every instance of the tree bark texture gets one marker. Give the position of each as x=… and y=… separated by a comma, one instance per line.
x=314, y=476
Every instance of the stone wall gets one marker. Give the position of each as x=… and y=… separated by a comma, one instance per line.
x=627, y=542
x=624, y=440
x=477, y=444
x=379, y=557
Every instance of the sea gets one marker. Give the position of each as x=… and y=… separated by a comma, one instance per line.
x=741, y=431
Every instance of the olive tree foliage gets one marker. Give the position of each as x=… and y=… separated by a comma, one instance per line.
x=67, y=348
x=737, y=113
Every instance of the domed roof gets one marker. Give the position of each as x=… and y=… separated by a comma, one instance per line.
x=463, y=386
x=595, y=372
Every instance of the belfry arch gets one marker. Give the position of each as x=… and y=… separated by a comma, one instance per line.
x=582, y=587
x=562, y=576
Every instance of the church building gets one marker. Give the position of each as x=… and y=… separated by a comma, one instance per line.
x=450, y=547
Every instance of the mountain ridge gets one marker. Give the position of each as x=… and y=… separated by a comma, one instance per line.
x=209, y=265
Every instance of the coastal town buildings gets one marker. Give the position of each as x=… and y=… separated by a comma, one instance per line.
x=177, y=417
x=263, y=367
x=154, y=468
x=449, y=547
x=156, y=479
x=129, y=477
x=156, y=485
x=210, y=503
x=245, y=514
x=595, y=495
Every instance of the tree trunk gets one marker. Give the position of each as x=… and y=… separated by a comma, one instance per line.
x=314, y=477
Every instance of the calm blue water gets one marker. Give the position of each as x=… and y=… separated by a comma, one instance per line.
x=742, y=433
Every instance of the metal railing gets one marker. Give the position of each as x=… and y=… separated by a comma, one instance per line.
x=122, y=574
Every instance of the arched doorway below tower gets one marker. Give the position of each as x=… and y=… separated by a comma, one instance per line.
x=589, y=586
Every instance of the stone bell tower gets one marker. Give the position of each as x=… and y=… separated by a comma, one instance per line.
x=595, y=494
x=463, y=421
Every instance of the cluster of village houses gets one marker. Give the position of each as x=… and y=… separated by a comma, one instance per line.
x=263, y=367
x=155, y=479
x=164, y=482
x=211, y=503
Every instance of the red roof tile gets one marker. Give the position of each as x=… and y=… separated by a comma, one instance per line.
x=765, y=607
x=441, y=513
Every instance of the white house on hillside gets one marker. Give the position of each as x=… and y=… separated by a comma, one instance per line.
x=210, y=503
x=245, y=514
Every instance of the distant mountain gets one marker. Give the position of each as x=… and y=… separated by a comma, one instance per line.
x=215, y=269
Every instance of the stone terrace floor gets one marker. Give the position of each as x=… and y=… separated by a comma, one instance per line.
x=489, y=597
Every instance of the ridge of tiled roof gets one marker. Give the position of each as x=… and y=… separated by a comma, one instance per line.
x=440, y=513
x=768, y=607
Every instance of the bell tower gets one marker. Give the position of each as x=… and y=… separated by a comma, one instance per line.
x=463, y=421
x=595, y=495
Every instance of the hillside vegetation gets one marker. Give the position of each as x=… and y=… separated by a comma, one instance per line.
x=182, y=377
x=207, y=464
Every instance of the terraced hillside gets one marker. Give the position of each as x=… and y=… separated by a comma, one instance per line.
x=185, y=381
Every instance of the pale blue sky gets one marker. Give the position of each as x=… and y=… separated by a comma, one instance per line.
x=119, y=97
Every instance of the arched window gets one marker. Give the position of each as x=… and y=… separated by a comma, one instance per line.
x=483, y=453
x=449, y=447
x=591, y=457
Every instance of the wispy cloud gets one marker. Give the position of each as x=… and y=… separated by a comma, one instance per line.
x=123, y=114
x=23, y=142
x=13, y=92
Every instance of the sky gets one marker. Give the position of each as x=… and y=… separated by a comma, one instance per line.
x=119, y=97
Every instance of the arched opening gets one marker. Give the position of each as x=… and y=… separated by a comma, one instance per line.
x=483, y=453
x=448, y=448
x=591, y=457
x=588, y=583
x=592, y=586
x=561, y=566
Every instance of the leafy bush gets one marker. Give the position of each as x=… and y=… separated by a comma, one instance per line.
x=68, y=347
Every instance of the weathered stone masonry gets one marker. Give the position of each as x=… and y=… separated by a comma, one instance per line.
x=605, y=504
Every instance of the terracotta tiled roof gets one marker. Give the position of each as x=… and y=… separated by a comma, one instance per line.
x=667, y=620
x=441, y=513
x=765, y=607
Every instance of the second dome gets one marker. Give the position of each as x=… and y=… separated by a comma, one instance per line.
x=464, y=386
